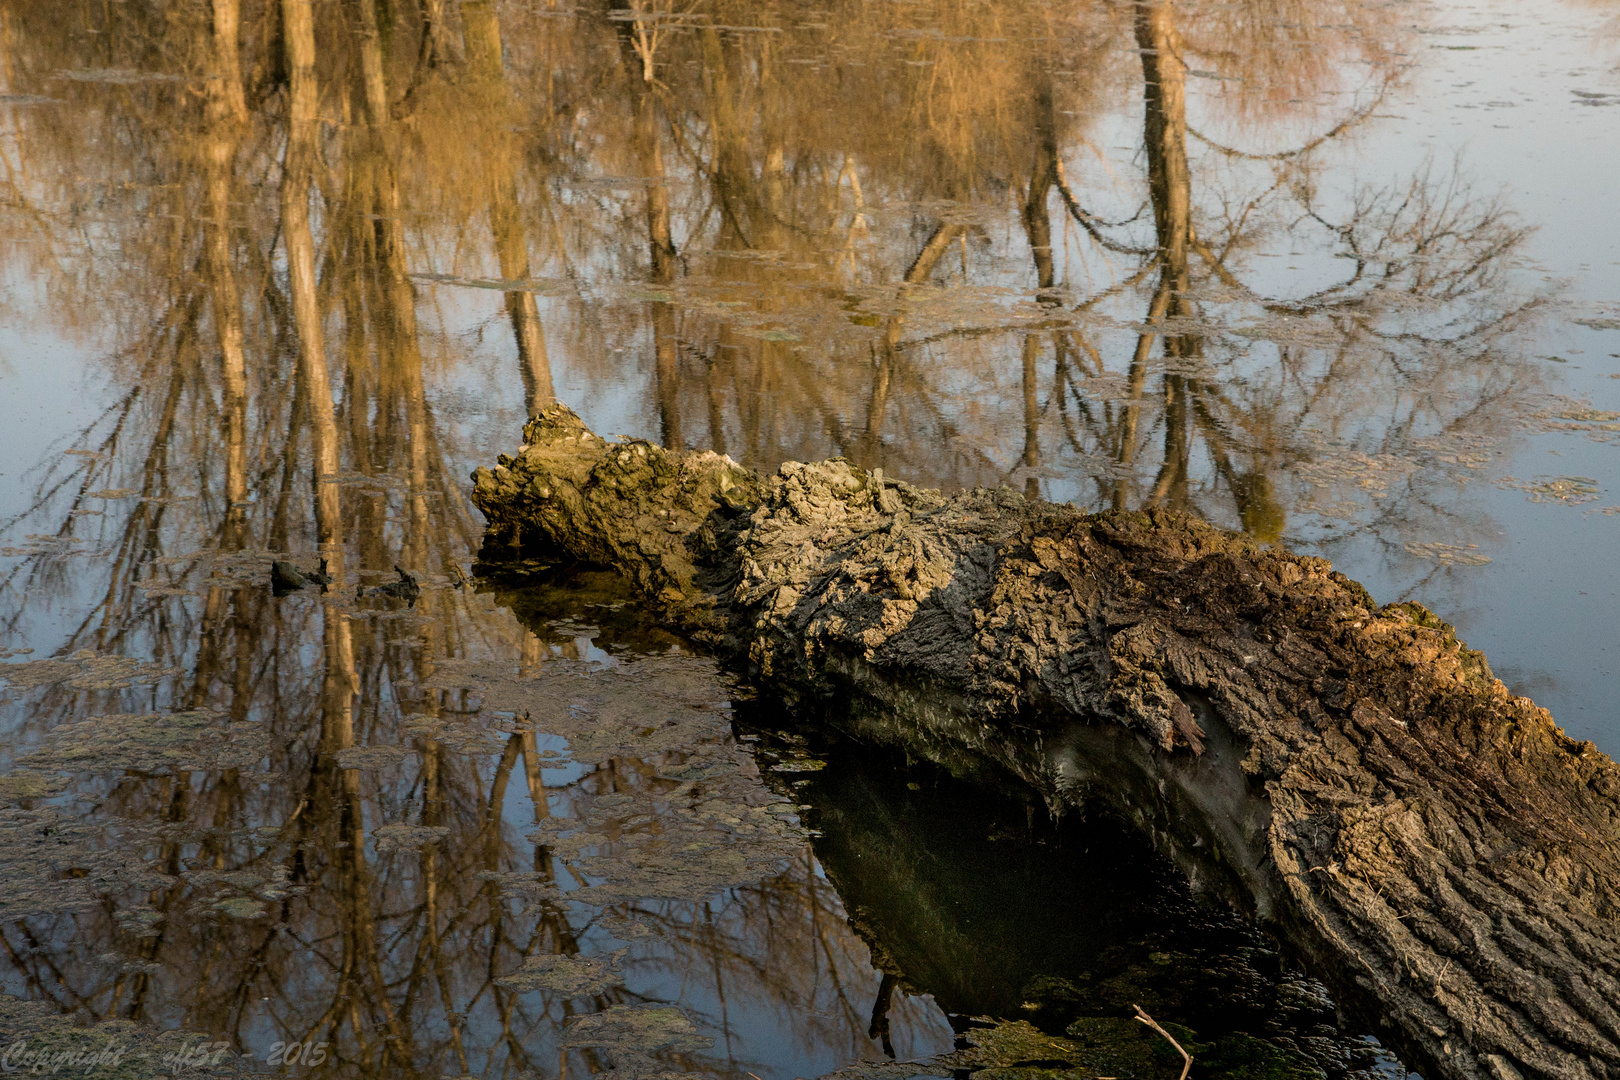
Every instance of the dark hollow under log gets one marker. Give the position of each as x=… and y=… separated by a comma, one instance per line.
x=1441, y=853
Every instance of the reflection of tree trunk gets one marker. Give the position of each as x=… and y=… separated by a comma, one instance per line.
x=406, y=353
x=360, y=389
x=1038, y=232
x=494, y=827
x=227, y=310
x=363, y=975
x=730, y=150
x=1164, y=135
x=1037, y=223
x=534, y=364
x=482, y=29
x=773, y=127
x=660, y=241
x=1136, y=382
x=395, y=330
x=667, y=373
x=228, y=58
x=297, y=175
x=733, y=173
x=661, y=251
x=481, y=33
x=360, y=963
x=1032, y=417
x=712, y=394
x=877, y=403
x=432, y=815
x=537, y=788
x=436, y=45
x=1258, y=509
x=1170, y=487
x=371, y=64
x=933, y=250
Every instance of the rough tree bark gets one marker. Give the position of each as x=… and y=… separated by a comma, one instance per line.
x=1440, y=851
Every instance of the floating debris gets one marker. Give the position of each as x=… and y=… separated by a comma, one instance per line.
x=199, y=740
x=286, y=578
x=402, y=837
x=405, y=588
x=1449, y=554
x=535, y=889
x=52, y=861
x=636, y=1029
x=568, y=975
x=1370, y=473
x=1569, y=490
x=769, y=335
x=1589, y=415
x=1564, y=414
x=151, y=590
x=542, y=286
x=379, y=484
x=25, y=786
x=45, y=545
x=143, y=922
x=799, y=765
x=370, y=757
x=240, y=907
x=85, y=670
x=129, y=965
x=123, y=76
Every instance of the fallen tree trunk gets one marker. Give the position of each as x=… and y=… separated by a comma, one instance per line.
x=1446, y=858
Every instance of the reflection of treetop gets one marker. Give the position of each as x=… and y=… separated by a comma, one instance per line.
x=897, y=232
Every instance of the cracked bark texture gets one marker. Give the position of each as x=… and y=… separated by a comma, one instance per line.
x=1440, y=851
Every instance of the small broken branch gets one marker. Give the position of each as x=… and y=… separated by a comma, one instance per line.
x=1154, y=1024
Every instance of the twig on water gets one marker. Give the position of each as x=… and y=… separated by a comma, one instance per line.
x=1154, y=1024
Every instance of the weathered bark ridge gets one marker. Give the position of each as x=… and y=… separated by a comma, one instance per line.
x=1444, y=853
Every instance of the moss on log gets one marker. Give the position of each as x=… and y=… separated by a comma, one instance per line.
x=1447, y=859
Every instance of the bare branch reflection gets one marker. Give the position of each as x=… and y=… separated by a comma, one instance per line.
x=330, y=255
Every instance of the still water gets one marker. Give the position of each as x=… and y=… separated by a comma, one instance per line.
x=1344, y=275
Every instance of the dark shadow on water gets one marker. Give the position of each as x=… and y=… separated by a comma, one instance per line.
x=972, y=894
x=978, y=898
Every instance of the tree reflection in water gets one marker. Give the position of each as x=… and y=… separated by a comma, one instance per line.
x=883, y=231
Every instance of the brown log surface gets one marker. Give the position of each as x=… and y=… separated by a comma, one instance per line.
x=1447, y=858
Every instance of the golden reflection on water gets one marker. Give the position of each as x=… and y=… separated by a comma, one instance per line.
x=903, y=233
x=881, y=232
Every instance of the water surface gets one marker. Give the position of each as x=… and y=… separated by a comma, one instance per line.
x=1342, y=275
